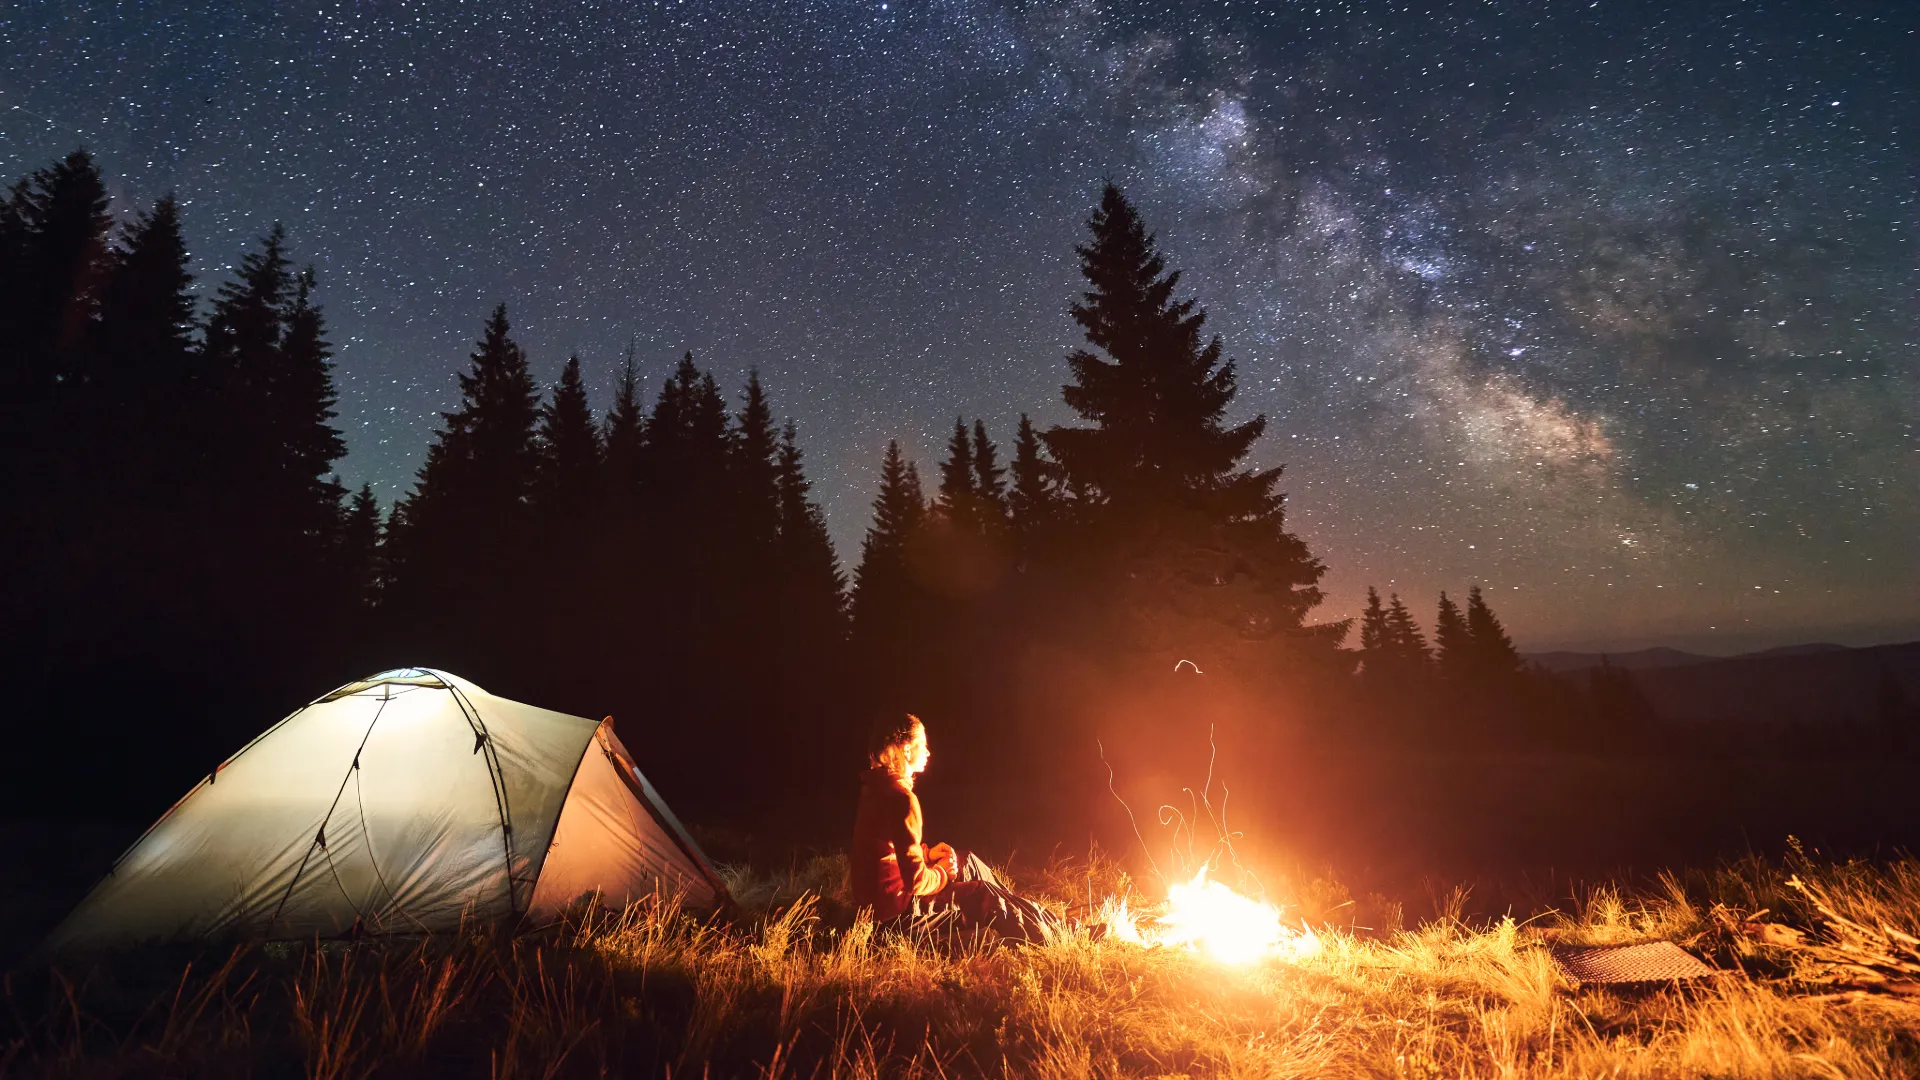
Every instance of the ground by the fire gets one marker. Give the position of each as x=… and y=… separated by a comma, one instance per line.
x=1817, y=974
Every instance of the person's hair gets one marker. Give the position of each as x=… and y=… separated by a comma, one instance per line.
x=888, y=747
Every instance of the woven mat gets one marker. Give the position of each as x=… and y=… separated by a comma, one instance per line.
x=1657, y=961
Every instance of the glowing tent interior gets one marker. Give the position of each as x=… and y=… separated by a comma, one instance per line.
x=402, y=803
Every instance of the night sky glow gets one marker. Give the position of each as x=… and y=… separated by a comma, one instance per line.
x=1612, y=308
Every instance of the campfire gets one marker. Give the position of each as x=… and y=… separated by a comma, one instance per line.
x=1207, y=916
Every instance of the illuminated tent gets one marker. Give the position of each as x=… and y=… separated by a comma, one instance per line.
x=402, y=803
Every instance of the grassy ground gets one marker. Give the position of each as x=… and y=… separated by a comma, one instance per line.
x=1817, y=962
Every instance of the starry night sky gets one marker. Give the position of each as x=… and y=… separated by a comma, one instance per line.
x=1611, y=308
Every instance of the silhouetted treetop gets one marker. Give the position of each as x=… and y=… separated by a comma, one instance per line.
x=569, y=445
x=1453, y=647
x=1157, y=398
x=1494, y=656
x=1033, y=499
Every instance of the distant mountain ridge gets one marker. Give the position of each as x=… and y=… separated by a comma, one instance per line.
x=1662, y=657
x=1797, y=684
x=1637, y=660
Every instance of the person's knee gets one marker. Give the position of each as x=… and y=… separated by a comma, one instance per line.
x=974, y=868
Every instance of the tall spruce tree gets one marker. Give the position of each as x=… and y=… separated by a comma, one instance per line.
x=884, y=595
x=485, y=459
x=814, y=587
x=623, y=434
x=141, y=351
x=568, y=482
x=990, y=479
x=359, y=548
x=236, y=451
x=1033, y=500
x=139, y=390
x=53, y=252
x=1200, y=540
x=620, y=561
x=303, y=407
x=1373, y=634
x=1453, y=648
x=459, y=544
x=53, y=240
x=1494, y=659
x=267, y=451
x=958, y=500
x=1405, y=645
x=688, y=453
x=756, y=468
x=567, y=498
x=244, y=329
x=693, y=577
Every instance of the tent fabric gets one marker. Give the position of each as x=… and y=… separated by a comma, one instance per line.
x=608, y=844
x=405, y=802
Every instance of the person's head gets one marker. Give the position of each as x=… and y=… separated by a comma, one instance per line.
x=900, y=747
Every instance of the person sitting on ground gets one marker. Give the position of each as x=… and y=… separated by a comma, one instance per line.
x=896, y=875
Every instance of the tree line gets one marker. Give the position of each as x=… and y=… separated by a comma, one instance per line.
x=185, y=560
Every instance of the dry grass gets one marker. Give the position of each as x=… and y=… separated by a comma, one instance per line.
x=798, y=990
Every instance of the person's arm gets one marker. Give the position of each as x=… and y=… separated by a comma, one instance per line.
x=920, y=877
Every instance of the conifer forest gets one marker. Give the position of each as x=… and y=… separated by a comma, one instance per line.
x=1054, y=539
x=1118, y=597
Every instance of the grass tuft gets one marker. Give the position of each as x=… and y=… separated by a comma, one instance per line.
x=799, y=987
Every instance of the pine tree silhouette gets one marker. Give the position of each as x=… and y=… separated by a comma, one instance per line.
x=883, y=594
x=139, y=388
x=487, y=451
x=53, y=253
x=141, y=351
x=266, y=453
x=623, y=434
x=1159, y=470
x=1405, y=646
x=990, y=479
x=1373, y=633
x=459, y=544
x=756, y=470
x=568, y=483
x=359, y=548
x=815, y=587
x=237, y=452
x=1033, y=499
x=565, y=523
x=687, y=452
x=244, y=329
x=1494, y=658
x=620, y=561
x=303, y=409
x=957, y=501
x=1453, y=647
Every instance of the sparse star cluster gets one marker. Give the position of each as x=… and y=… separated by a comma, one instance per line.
x=1610, y=309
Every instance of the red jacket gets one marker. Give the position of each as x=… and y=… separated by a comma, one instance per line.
x=887, y=852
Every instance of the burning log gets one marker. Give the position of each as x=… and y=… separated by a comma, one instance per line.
x=1209, y=917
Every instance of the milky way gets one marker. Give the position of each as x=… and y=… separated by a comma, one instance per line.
x=1610, y=309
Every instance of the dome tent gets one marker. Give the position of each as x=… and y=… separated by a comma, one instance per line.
x=405, y=802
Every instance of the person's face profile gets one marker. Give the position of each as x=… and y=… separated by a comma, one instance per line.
x=917, y=752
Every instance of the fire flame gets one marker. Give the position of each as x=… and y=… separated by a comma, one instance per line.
x=1209, y=917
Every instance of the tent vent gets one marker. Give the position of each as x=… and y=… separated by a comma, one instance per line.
x=479, y=740
x=321, y=839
